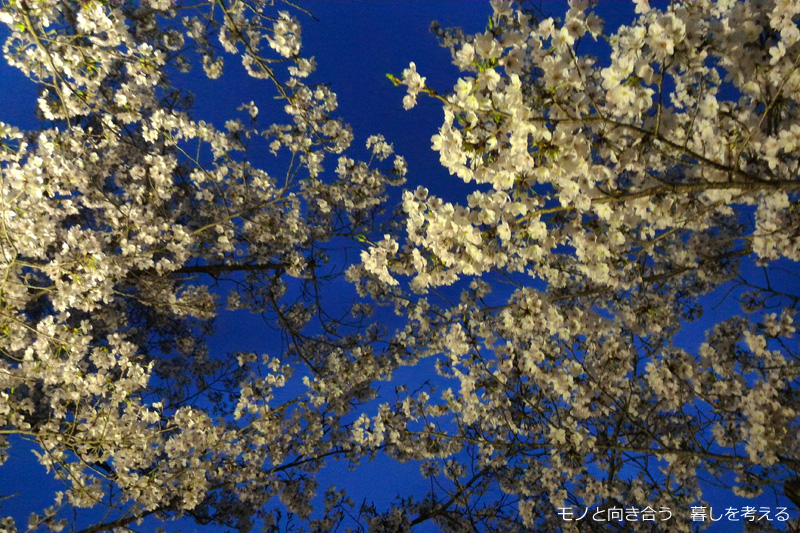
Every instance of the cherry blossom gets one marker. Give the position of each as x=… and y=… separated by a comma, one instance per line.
x=610, y=197
x=125, y=221
x=608, y=200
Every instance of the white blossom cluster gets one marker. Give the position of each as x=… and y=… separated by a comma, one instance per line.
x=123, y=219
x=608, y=198
x=611, y=196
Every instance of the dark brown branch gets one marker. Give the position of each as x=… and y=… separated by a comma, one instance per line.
x=442, y=509
x=122, y=522
x=214, y=270
x=657, y=278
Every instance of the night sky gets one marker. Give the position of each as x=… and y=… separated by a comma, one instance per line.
x=355, y=43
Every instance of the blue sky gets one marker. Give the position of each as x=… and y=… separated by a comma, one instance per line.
x=355, y=44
